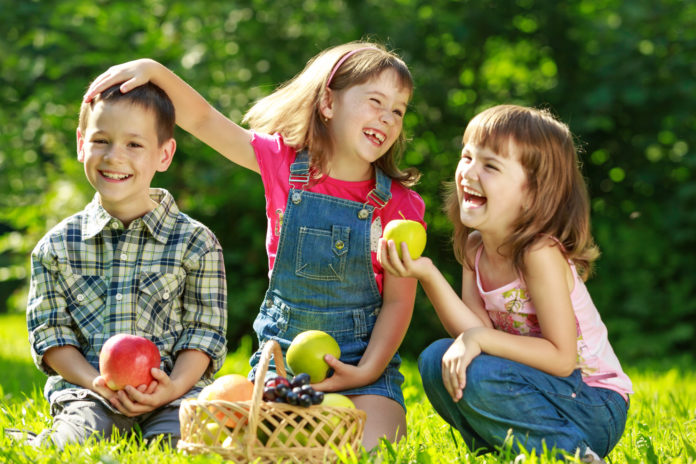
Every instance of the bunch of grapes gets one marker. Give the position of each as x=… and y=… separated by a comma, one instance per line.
x=297, y=391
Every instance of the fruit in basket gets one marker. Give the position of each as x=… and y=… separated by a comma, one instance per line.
x=126, y=360
x=232, y=388
x=212, y=435
x=334, y=400
x=297, y=392
x=279, y=431
x=306, y=354
x=406, y=230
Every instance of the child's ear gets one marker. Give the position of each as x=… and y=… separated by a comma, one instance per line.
x=326, y=105
x=166, y=154
x=80, y=145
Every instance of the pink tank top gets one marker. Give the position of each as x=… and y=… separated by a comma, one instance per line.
x=512, y=310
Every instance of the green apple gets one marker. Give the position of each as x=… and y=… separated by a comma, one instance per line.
x=339, y=401
x=306, y=354
x=212, y=435
x=406, y=230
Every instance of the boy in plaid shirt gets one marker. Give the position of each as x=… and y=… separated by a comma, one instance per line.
x=130, y=262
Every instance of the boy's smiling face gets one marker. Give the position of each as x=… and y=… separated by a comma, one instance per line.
x=121, y=154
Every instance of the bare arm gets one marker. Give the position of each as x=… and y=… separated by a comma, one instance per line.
x=456, y=314
x=555, y=352
x=398, y=296
x=193, y=113
x=71, y=365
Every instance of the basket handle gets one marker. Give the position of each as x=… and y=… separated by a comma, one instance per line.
x=270, y=348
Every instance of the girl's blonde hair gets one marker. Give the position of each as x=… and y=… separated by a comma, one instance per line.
x=558, y=203
x=293, y=109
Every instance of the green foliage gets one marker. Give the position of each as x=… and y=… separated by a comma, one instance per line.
x=620, y=73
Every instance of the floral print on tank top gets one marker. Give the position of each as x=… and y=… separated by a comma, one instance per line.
x=515, y=320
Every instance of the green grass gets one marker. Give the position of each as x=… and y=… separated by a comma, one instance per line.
x=661, y=425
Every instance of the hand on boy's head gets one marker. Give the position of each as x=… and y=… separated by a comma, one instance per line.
x=131, y=74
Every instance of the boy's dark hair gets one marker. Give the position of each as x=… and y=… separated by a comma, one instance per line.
x=147, y=96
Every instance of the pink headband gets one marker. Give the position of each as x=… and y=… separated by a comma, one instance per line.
x=342, y=60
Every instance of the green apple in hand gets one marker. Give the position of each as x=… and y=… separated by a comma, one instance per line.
x=306, y=354
x=406, y=230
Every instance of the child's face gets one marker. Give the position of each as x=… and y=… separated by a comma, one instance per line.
x=365, y=121
x=491, y=189
x=121, y=153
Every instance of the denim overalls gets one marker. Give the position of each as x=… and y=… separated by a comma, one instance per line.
x=323, y=278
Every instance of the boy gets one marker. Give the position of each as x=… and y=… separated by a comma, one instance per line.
x=130, y=262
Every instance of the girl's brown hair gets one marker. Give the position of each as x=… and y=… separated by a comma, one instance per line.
x=293, y=108
x=558, y=203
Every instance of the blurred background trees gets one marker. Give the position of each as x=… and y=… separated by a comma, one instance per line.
x=621, y=74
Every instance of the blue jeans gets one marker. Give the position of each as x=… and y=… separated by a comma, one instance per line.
x=500, y=395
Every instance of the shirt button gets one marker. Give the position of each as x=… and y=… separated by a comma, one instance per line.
x=166, y=295
x=80, y=297
x=123, y=256
x=573, y=395
x=119, y=297
x=114, y=225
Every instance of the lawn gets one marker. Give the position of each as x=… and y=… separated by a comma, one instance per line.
x=661, y=425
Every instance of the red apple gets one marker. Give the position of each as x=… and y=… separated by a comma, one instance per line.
x=127, y=360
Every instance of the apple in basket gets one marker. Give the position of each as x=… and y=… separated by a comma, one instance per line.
x=306, y=354
x=339, y=401
x=126, y=360
x=232, y=388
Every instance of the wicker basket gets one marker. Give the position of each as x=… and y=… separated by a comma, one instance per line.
x=270, y=432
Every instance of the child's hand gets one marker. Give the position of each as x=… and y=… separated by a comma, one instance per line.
x=133, y=401
x=345, y=376
x=455, y=361
x=99, y=386
x=388, y=256
x=132, y=74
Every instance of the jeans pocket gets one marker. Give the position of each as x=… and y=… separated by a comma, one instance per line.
x=321, y=253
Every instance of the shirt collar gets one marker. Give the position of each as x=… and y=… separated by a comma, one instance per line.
x=160, y=221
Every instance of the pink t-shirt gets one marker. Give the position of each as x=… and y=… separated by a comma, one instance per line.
x=275, y=158
x=511, y=310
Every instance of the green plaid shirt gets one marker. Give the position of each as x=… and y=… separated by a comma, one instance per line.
x=162, y=278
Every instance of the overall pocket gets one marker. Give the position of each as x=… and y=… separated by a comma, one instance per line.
x=321, y=253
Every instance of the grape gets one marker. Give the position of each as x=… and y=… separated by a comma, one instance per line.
x=300, y=379
x=305, y=400
x=292, y=398
x=317, y=397
x=270, y=393
x=282, y=390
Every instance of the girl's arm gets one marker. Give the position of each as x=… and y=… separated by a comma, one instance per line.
x=193, y=113
x=456, y=314
x=549, y=282
x=398, y=296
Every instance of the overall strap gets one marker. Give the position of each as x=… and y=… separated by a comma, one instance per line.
x=299, y=170
x=381, y=194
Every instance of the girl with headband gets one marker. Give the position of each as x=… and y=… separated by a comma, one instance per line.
x=327, y=145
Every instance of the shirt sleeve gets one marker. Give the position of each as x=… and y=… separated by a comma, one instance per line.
x=204, y=301
x=48, y=320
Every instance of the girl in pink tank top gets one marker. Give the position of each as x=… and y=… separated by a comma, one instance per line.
x=530, y=352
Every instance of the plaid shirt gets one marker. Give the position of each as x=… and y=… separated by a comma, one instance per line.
x=162, y=278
